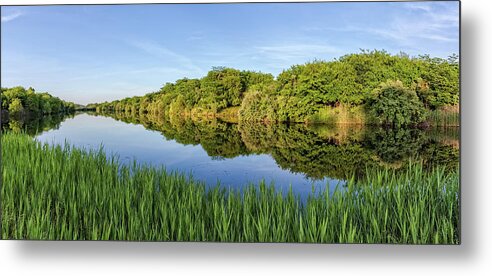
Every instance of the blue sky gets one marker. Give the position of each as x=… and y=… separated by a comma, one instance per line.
x=97, y=53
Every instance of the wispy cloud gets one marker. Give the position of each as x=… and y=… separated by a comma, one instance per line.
x=100, y=73
x=289, y=52
x=268, y=56
x=194, y=37
x=166, y=54
x=418, y=24
x=428, y=21
x=10, y=17
x=418, y=6
x=275, y=57
x=407, y=33
x=297, y=49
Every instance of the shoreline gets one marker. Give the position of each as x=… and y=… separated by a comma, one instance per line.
x=235, y=118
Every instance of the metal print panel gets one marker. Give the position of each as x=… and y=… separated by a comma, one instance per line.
x=332, y=122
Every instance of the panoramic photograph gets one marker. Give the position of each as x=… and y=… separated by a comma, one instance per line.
x=328, y=122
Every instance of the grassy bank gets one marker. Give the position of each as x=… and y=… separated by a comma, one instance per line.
x=448, y=116
x=340, y=115
x=64, y=193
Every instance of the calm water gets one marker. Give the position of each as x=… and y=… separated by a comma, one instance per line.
x=236, y=155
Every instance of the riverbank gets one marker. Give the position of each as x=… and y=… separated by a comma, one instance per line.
x=64, y=193
x=448, y=116
x=6, y=117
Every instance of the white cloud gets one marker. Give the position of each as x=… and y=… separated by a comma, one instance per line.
x=296, y=51
x=418, y=24
x=10, y=17
x=418, y=6
x=101, y=73
x=409, y=33
x=164, y=53
x=268, y=57
x=196, y=37
x=429, y=21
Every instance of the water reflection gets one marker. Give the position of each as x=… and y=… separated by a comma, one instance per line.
x=239, y=154
x=317, y=151
x=34, y=125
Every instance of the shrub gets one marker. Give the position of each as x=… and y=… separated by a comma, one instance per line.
x=393, y=104
x=258, y=106
x=16, y=107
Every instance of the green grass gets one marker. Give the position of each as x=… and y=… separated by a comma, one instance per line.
x=447, y=116
x=338, y=115
x=64, y=193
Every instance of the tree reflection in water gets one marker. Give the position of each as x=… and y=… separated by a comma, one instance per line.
x=316, y=151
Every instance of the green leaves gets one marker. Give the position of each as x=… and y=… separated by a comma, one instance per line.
x=15, y=107
x=300, y=92
x=225, y=86
x=442, y=82
x=18, y=100
x=393, y=104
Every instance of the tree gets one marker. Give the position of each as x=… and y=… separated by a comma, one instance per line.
x=47, y=107
x=393, y=104
x=16, y=107
x=177, y=106
x=224, y=87
x=303, y=90
x=18, y=98
x=189, y=89
x=441, y=79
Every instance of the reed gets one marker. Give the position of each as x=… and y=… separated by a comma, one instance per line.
x=448, y=116
x=64, y=193
x=339, y=116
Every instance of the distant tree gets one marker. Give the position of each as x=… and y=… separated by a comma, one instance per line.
x=189, y=89
x=16, y=107
x=46, y=107
x=177, y=106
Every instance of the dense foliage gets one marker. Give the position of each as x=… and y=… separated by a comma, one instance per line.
x=35, y=125
x=18, y=101
x=393, y=104
x=301, y=92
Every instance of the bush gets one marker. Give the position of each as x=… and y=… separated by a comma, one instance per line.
x=16, y=107
x=258, y=106
x=393, y=104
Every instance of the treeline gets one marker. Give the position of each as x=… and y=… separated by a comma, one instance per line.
x=220, y=89
x=380, y=87
x=21, y=101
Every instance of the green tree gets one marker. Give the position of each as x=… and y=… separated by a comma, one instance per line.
x=16, y=107
x=393, y=104
x=177, y=106
x=224, y=87
x=304, y=90
x=439, y=82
